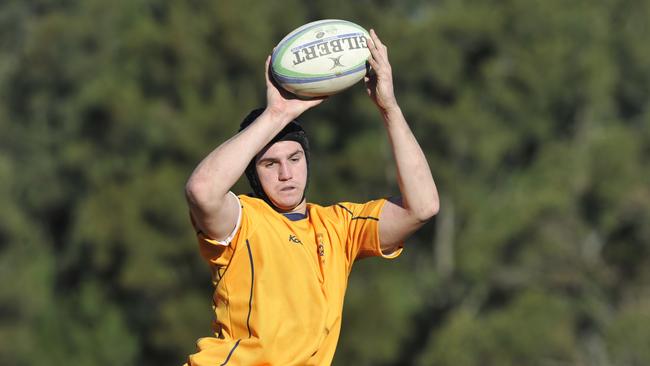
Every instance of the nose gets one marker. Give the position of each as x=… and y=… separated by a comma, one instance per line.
x=284, y=173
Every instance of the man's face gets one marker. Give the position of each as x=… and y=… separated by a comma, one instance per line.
x=282, y=170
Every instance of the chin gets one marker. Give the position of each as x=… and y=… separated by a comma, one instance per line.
x=286, y=205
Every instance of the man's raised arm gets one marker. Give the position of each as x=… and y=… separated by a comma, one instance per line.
x=213, y=210
x=419, y=197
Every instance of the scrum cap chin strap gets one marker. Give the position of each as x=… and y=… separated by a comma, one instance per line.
x=291, y=132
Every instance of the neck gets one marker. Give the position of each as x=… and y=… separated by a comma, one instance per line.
x=301, y=208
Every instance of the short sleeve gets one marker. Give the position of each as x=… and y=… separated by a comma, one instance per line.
x=363, y=230
x=218, y=251
x=227, y=240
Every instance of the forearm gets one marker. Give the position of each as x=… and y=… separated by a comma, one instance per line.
x=416, y=184
x=219, y=171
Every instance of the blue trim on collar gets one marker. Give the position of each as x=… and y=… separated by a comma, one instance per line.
x=295, y=216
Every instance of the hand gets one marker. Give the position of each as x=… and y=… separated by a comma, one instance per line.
x=282, y=102
x=379, y=82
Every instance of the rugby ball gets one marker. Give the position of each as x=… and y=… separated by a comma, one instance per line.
x=321, y=58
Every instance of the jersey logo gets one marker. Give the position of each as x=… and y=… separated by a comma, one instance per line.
x=294, y=239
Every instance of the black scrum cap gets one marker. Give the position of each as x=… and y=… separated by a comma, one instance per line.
x=291, y=132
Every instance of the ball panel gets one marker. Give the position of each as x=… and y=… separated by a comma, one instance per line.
x=329, y=53
x=324, y=87
x=324, y=60
x=302, y=53
x=296, y=78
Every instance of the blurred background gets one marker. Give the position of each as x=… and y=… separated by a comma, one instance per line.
x=534, y=115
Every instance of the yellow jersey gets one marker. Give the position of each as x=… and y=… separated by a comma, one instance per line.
x=279, y=284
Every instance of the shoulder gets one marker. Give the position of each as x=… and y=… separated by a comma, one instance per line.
x=328, y=211
x=348, y=210
x=250, y=200
x=254, y=213
x=253, y=204
x=355, y=210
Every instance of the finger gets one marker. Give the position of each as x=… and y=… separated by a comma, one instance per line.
x=373, y=62
x=374, y=36
x=376, y=68
x=320, y=100
x=370, y=42
x=314, y=101
x=374, y=52
x=375, y=39
x=371, y=47
x=373, y=43
x=267, y=69
x=377, y=50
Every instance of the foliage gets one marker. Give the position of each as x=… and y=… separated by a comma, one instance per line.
x=535, y=117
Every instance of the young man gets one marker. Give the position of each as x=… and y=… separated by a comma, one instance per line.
x=280, y=264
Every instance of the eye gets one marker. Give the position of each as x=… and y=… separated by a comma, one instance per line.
x=268, y=164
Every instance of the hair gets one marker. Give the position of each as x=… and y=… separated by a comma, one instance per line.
x=291, y=132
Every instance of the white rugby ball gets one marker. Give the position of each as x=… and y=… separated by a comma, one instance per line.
x=321, y=58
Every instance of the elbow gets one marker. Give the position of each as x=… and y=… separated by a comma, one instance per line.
x=427, y=211
x=196, y=190
x=204, y=194
x=435, y=208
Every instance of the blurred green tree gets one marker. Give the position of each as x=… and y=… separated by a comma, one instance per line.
x=534, y=116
